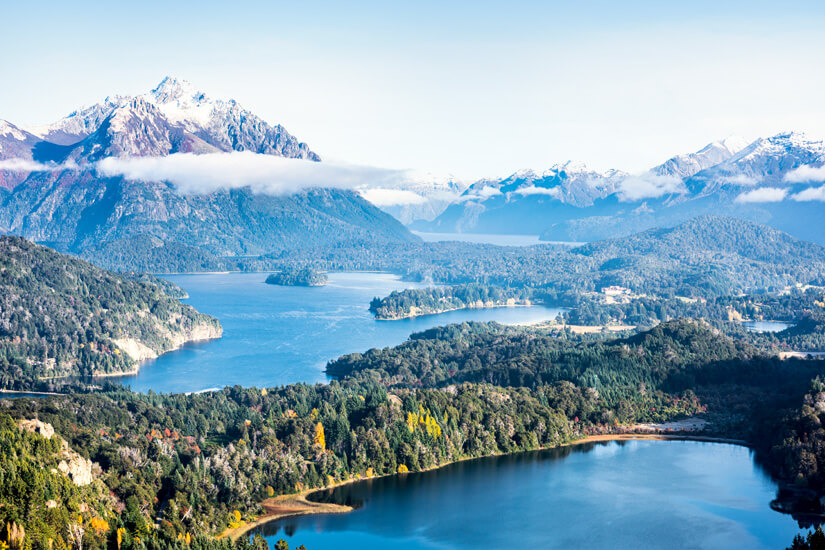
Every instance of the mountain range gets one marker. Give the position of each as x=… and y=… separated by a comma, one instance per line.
x=52, y=191
x=776, y=180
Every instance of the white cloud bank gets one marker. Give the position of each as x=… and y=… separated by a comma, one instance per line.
x=811, y=194
x=648, y=186
x=763, y=194
x=268, y=174
x=805, y=174
x=391, y=197
x=533, y=190
x=23, y=165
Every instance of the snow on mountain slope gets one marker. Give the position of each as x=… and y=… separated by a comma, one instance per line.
x=15, y=154
x=686, y=165
x=571, y=183
x=766, y=161
x=423, y=196
x=184, y=117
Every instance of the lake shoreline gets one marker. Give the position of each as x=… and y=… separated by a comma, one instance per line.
x=297, y=504
x=463, y=308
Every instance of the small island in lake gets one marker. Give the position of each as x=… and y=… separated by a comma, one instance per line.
x=297, y=277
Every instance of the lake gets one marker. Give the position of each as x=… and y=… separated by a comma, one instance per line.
x=630, y=494
x=489, y=238
x=275, y=335
x=766, y=326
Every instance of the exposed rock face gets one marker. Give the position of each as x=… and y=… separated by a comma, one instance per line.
x=79, y=469
x=173, y=117
x=139, y=351
x=73, y=206
x=36, y=426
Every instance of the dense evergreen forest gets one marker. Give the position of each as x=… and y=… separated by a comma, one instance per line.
x=173, y=471
x=703, y=257
x=427, y=301
x=297, y=277
x=173, y=467
x=62, y=316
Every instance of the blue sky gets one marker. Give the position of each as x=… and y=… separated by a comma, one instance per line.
x=471, y=88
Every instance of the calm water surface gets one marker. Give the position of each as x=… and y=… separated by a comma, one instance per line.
x=635, y=494
x=277, y=335
x=766, y=326
x=489, y=238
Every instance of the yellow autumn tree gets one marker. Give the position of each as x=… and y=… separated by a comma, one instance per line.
x=402, y=469
x=320, y=441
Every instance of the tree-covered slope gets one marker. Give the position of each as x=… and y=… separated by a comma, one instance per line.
x=63, y=316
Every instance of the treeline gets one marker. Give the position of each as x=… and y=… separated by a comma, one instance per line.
x=789, y=306
x=62, y=316
x=202, y=463
x=648, y=376
x=297, y=277
x=42, y=508
x=177, y=466
x=703, y=257
x=412, y=302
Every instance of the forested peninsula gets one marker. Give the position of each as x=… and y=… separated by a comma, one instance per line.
x=413, y=302
x=159, y=468
x=61, y=317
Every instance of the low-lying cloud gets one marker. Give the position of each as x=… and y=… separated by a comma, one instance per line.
x=480, y=193
x=533, y=190
x=199, y=174
x=648, y=186
x=391, y=197
x=763, y=194
x=806, y=174
x=811, y=194
x=24, y=165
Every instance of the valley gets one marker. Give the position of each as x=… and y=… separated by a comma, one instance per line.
x=212, y=338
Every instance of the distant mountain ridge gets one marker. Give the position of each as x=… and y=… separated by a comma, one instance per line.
x=196, y=123
x=569, y=202
x=73, y=207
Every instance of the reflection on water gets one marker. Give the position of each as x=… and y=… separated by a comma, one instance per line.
x=629, y=494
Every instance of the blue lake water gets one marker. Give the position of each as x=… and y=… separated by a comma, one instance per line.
x=633, y=494
x=276, y=335
x=765, y=326
x=489, y=238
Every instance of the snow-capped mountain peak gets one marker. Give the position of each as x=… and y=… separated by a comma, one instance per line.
x=189, y=118
x=688, y=164
x=182, y=103
x=9, y=130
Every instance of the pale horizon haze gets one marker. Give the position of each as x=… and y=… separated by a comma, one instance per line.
x=473, y=89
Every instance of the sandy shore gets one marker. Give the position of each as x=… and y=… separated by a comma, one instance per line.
x=285, y=506
x=462, y=308
x=30, y=392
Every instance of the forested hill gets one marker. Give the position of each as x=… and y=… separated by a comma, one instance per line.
x=509, y=356
x=63, y=316
x=705, y=235
x=718, y=254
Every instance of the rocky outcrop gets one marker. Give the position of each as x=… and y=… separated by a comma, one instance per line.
x=77, y=468
x=36, y=426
